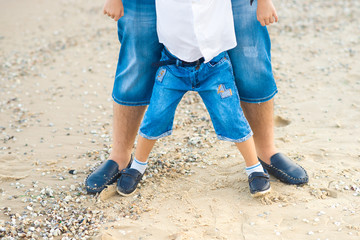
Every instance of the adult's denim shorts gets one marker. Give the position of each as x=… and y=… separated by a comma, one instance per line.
x=134, y=78
x=214, y=81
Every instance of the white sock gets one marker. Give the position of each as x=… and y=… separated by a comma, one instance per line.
x=138, y=165
x=254, y=168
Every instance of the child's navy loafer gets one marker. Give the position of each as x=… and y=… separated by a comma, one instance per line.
x=107, y=173
x=286, y=170
x=259, y=183
x=127, y=183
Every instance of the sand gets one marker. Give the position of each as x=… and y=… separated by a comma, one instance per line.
x=57, y=64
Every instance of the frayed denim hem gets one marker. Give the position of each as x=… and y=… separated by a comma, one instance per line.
x=155, y=138
x=235, y=140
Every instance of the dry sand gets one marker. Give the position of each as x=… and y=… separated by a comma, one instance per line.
x=57, y=65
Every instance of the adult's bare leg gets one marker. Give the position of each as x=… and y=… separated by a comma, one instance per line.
x=260, y=118
x=126, y=122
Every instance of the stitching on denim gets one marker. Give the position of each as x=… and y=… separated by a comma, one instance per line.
x=223, y=59
x=235, y=140
x=157, y=137
x=141, y=103
x=259, y=100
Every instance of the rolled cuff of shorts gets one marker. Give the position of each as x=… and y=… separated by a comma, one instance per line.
x=243, y=139
x=130, y=104
x=259, y=100
x=157, y=137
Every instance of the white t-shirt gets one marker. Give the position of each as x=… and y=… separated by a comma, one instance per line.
x=191, y=29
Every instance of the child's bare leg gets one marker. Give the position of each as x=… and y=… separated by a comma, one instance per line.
x=130, y=177
x=258, y=180
x=143, y=148
x=248, y=151
x=142, y=152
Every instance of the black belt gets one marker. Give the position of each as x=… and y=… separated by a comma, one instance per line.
x=177, y=62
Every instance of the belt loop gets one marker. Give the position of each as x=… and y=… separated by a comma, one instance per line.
x=178, y=62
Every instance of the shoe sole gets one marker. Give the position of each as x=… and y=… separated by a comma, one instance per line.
x=124, y=194
x=261, y=194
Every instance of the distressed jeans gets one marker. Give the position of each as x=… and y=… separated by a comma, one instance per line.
x=134, y=78
x=214, y=81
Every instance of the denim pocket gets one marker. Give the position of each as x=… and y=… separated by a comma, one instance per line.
x=219, y=59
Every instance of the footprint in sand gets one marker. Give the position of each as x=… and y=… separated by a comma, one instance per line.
x=281, y=122
x=14, y=168
x=275, y=197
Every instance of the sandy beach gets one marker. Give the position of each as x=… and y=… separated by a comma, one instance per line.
x=57, y=65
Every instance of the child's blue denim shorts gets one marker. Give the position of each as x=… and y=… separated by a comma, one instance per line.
x=214, y=81
x=134, y=78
